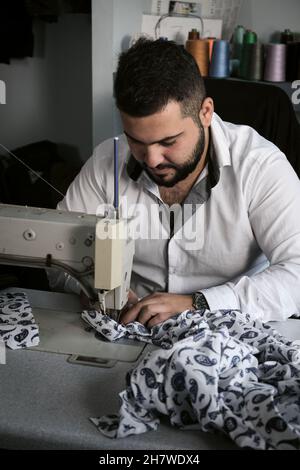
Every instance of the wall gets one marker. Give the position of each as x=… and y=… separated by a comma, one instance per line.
x=267, y=16
x=24, y=117
x=113, y=24
x=49, y=96
x=69, y=71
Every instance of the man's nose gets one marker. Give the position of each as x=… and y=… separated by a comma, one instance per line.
x=153, y=156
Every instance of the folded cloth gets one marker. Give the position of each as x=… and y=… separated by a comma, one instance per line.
x=17, y=325
x=219, y=372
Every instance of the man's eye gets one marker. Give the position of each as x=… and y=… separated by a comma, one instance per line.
x=168, y=144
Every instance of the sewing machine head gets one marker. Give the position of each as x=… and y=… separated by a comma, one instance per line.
x=94, y=251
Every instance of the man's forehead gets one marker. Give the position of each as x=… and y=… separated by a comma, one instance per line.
x=164, y=125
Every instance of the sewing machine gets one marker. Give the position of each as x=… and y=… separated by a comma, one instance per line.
x=92, y=250
x=52, y=399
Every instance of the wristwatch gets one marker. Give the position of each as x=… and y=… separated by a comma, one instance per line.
x=199, y=301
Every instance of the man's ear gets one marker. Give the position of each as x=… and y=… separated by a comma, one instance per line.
x=206, y=112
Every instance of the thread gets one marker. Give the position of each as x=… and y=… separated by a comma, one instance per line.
x=275, y=63
x=237, y=42
x=194, y=34
x=31, y=170
x=250, y=37
x=251, y=67
x=293, y=61
x=210, y=46
x=219, y=66
x=238, y=35
x=234, y=67
x=245, y=60
x=286, y=36
x=199, y=49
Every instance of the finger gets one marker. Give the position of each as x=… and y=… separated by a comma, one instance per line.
x=157, y=319
x=130, y=314
x=143, y=311
x=132, y=297
x=153, y=310
x=145, y=316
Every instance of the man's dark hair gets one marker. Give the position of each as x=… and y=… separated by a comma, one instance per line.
x=153, y=73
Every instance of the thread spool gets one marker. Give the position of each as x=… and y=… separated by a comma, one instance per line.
x=210, y=46
x=293, y=61
x=199, y=49
x=234, y=66
x=250, y=37
x=219, y=66
x=275, y=63
x=194, y=34
x=237, y=40
x=252, y=62
x=286, y=36
x=245, y=60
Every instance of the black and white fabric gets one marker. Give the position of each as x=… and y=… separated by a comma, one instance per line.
x=17, y=325
x=215, y=371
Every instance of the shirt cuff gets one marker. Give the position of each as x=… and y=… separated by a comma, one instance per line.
x=221, y=298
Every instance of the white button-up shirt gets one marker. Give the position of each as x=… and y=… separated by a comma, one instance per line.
x=247, y=252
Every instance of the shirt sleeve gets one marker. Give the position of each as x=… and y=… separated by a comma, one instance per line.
x=273, y=200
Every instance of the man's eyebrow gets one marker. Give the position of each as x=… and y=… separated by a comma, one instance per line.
x=170, y=137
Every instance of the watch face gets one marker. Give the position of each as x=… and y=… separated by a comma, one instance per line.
x=199, y=301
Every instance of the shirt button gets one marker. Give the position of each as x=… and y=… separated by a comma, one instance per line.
x=172, y=270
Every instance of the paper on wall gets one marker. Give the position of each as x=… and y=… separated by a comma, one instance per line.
x=177, y=28
x=227, y=10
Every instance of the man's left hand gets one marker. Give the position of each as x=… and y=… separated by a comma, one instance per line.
x=156, y=308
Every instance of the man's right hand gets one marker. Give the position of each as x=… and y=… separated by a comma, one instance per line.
x=132, y=298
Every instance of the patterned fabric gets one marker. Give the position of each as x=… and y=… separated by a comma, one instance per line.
x=214, y=371
x=17, y=325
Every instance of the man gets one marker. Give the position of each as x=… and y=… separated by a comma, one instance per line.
x=244, y=195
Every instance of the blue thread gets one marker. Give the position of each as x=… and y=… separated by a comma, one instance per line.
x=116, y=173
x=219, y=66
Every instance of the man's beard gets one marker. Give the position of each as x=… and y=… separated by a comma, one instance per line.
x=181, y=171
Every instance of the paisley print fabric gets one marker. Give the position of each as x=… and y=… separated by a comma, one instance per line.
x=17, y=325
x=214, y=371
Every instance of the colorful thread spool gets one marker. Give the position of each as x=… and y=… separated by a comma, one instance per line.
x=251, y=67
x=250, y=37
x=219, y=66
x=293, y=61
x=275, y=63
x=286, y=36
x=210, y=46
x=199, y=49
x=237, y=42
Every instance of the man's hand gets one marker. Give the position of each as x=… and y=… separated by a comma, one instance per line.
x=156, y=308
